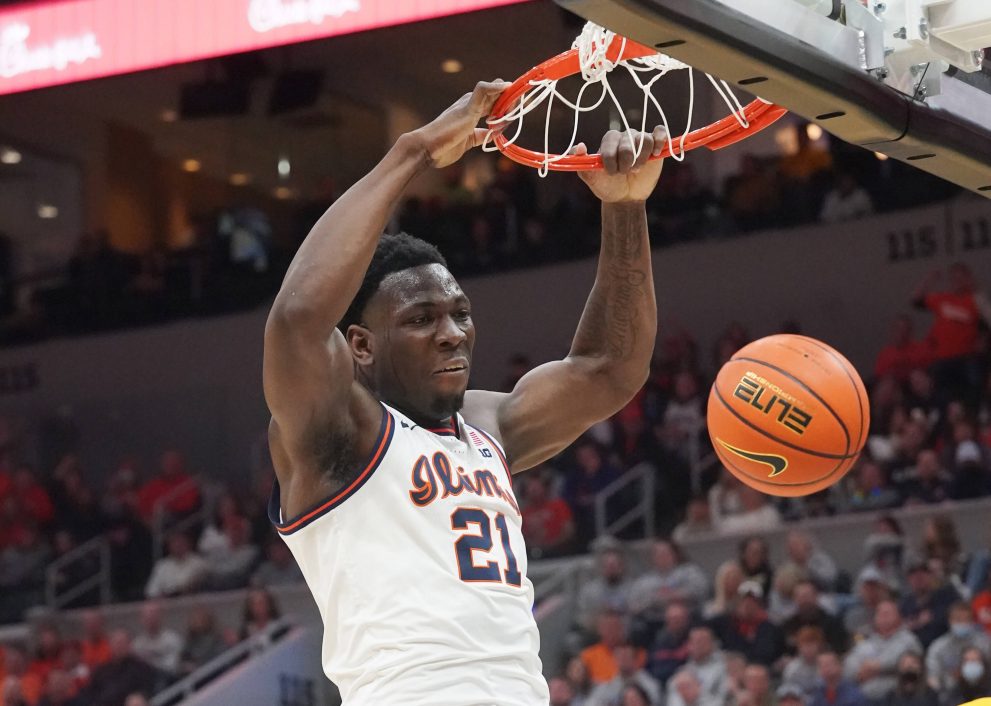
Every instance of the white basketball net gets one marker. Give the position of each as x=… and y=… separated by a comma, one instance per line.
x=592, y=45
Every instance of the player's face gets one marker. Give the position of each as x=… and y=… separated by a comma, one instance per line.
x=423, y=338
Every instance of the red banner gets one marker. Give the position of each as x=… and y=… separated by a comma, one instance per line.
x=46, y=44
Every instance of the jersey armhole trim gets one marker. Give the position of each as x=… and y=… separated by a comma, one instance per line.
x=385, y=434
x=498, y=450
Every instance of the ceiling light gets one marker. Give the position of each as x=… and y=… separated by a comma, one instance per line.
x=10, y=156
x=191, y=165
x=47, y=211
x=451, y=66
x=168, y=115
x=283, y=192
x=240, y=178
x=813, y=131
x=881, y=156
x=284, y=167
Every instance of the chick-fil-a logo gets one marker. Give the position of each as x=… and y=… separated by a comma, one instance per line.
x=18, y=57
x=266, y=15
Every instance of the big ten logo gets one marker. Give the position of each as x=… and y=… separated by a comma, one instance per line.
x=762, y=394
x=15, y=379
x=296, y=691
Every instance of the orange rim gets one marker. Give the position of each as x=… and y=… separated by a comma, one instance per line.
x=722, y=133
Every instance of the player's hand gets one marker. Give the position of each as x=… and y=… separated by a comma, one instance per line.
x=626, y=176
x=455, y=131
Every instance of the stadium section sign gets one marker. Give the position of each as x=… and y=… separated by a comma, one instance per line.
x=47, y=44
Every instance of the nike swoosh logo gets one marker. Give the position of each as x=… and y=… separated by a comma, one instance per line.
x=777, y=463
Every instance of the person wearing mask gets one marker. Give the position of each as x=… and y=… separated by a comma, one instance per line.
x=911, y=689
x=945, y=654
x=975, y=678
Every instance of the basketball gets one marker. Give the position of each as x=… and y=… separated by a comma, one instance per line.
x=788, y=415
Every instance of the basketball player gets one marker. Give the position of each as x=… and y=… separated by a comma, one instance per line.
x=399, y=509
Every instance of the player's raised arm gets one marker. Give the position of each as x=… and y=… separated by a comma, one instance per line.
x=611, y=351
x=308, y=369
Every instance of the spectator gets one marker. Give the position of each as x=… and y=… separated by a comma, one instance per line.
x=781, y=603
x=803, y=669
x=260, y=611
x=698, y=521
x=634, y=695
x=867, y=489
x=548, y=525
x=724, y=498
x=846, y=201
x=747, y=629
x=610, y=589
x=215, y=540
x=22, y=573
x=672, y=578
x=946, y=653
x=47, y=650
x=813, y=563
x=834, y=689
x=629, y=666
x=122, y=675
x=809, y=613
x=173, y=485
x=790, y=695
x=757, y=685
x=203, y=642
x=561, y=692
x=591, y=474
x=130, y=557
x=927, y=605
x=757, y=514
x=577, y=675
x=279, y=567
x=707, y=663
x=729, y=576
x=60, y=690
x=873, y=662
x=911, y=688
x=182, y=571
x=669, y=650
x=232, y=568
x=71, y=662
x=29, y=686
x=736, y=667
x=683, y=417
x=929, y=483
x=686, y=690
x=872, y=590
x=754, y=560
x=942, y=543
x=971, y=478
x=600, y=658
x=157, y=645
x=95, y=645
x=975, y=678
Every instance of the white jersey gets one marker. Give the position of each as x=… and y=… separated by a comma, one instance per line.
x=418, y=568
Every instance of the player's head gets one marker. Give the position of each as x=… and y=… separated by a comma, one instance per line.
x=410, y=329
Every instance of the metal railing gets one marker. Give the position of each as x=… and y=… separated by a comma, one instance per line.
x=700, y=459
x=96, y=550
x=164, y=523
x=187, y=686
x=643, y=510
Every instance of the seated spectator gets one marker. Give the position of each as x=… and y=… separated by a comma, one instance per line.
x=634, y=695
x=736, y=667
x=790, y=695
x=165, y=487
x=561, y=692
x=757, y=514
x=629, y=668
x=981, y=605
x=707, y=663
x=22, y=573
x=669, y=649
x=911, y=688
x=941, y=542
x=846, y=201
x=757, y=685
x=746, y=629
x=903, y=353
x=872, y=589
x=548, y=525
x=71, y=662
x=926, y=607
x=610, y=589
x=157, y=645
x=95, y=645
x=813, y=563
x=182, y=571
x=971, y=476
x=753, y=556
x=671, y=578
x=946, y=653
x=975, y=678
x=686, y=690
x=279, y=567
x=214, y=539
x=873, y=662
x=60, y=690
x=577, y=675
x=48, y=648
x=729, y=576
x=29, y=686
x=600, y=658
x=724, y=498
x=833, y=688
x=130, y=557
x=591, y=473
x=803, y=669
x=203, y=641
x=260, y=611
x=809, y=613
x=867, y=489
x=232, y=568
x=698, y=521
x=122, y=675
x=781, y=602
x=928, y=482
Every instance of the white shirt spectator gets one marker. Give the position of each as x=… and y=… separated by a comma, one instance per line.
x=756, y=516
x=155, y=644
x=946, y=652
x=846, y=201
x=180, y=572
x=873, y=662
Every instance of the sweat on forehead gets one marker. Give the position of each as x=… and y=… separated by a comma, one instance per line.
x=426, y=283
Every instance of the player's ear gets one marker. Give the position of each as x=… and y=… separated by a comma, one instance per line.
x=361, y=341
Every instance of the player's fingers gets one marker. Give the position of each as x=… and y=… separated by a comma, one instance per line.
x=579, y=150
x=660, y=136
x=626, y=152
x=608, y=150
x=485, y=95
x=645, y=149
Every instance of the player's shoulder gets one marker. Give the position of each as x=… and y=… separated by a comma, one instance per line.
x=481, y=410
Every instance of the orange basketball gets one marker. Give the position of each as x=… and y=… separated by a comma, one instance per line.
x=788, y=415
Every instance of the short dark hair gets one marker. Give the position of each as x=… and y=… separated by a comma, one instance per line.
x=393, y=254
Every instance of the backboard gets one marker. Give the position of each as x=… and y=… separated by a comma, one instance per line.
x=906, y=78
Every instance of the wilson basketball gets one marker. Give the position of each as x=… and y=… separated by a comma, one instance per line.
x=788, y=415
